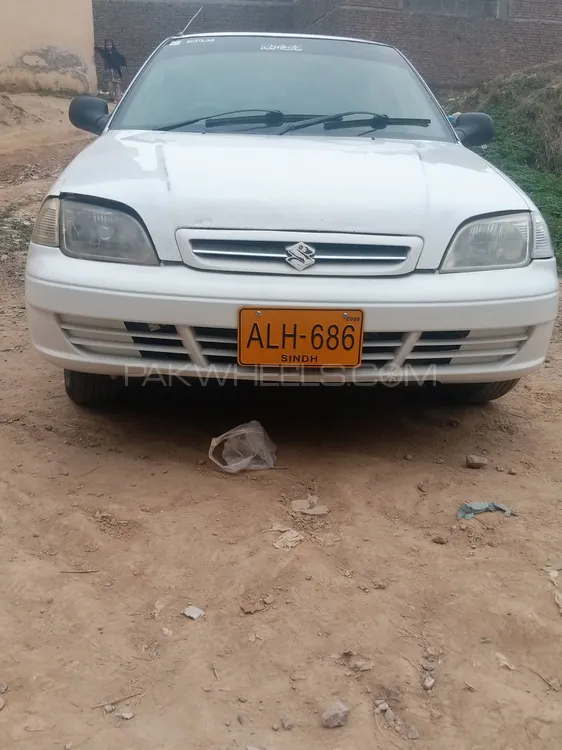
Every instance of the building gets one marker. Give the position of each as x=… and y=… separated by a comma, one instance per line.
x=47, y=45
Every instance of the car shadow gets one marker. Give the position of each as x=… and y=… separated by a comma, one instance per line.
x=379, y=419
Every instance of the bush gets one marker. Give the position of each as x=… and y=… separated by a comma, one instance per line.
x=527, y=110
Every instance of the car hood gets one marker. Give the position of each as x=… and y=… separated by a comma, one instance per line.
x=291, y=182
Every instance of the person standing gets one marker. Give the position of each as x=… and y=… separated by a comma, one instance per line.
x=113, y=64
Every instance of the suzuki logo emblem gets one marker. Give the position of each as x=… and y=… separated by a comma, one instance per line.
x=300, y=256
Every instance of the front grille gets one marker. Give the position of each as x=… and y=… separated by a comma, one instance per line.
x=466, y=347
x=267, y=252
x=212, y=346
x=124, y=339
x=324, y=251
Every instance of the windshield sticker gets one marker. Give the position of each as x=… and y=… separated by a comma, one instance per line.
x=282, y=47
x=200, y=40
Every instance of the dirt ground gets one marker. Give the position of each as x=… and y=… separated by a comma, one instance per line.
x=112, y=523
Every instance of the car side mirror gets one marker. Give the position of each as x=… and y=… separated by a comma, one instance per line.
x=475, y=128
x=89, y=113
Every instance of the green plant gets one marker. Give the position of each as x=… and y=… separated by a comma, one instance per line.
x=527, y=111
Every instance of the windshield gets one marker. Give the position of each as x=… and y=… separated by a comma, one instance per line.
x=199, y=77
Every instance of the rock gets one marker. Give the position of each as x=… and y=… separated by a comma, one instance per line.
x=476, y=462
x=3, y=703
x=109, y=708
x=382, y=706
x=379, y=585
x=513, y=472
x=439, y=539
x=453, y=422
x=194, y=613
x=287, y=723
x=430, y=653
x=126, y=715
x=269, y=599
x=413, y=734
x=3, y=258
x=275, y=727
x=389, y=716
x=408, y=457
x=428, y=666
x=428, y=682
x=166, y=631
x=435, y=714
x=335, y=715
x=250, y=608
x=3, y=688
x=68, y=746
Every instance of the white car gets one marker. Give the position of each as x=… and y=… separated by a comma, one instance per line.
x=293, y=209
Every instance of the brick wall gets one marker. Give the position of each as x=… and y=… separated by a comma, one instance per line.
x=449, y=51
x=138, y=26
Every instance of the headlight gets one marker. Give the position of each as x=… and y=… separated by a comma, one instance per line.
x=491, y=243
x=98, y=233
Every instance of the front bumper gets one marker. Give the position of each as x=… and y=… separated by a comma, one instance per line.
x=176, y=321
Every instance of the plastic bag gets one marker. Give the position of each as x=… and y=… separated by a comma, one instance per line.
x=247, y=446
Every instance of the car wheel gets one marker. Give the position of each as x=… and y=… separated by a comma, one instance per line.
x=474, y=393
x=87, y=389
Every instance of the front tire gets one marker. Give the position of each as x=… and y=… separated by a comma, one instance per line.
x=87, y=389
x=466, y=394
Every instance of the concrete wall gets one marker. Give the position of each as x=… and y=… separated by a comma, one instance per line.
x=47, y=45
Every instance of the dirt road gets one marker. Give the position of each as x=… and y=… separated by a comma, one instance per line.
x=111, y=524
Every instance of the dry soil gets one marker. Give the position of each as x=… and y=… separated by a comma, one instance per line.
x=112, y=523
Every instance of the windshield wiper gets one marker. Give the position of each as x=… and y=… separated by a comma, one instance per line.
x=374, y=121
x=269, y=117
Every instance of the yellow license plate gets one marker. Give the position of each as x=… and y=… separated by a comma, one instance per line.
x=273, y=337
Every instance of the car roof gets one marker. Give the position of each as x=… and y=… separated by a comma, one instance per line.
x=280, y=35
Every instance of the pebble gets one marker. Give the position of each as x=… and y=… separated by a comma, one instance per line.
x=379, y=585
x=2, y=703
x=513, y=472
x=439, y=539
x=413, y=734
x=68, y=746
x=275, y=727
x=109, y=709
x=453, y=422
x=4, y=258
x=428, y=682
x=382, y=705
x=287, y=723
x=127, y=715
x=408, y=457
x=3, y=688
x=430, y=654
x=166, y=631
x=389, y=716
x=435, y=714
x=269, y=599
x=335, y=715
x=194, y=613
x=476, y=462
